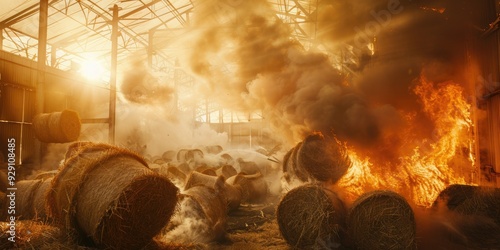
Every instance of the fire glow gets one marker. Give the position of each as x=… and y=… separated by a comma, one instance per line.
x=426, y=171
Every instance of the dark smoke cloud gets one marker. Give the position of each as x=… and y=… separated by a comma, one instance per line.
x=251, y=61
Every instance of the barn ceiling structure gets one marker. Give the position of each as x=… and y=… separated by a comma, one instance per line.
x=79, y=34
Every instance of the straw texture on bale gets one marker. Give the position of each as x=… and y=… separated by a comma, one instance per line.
x=472, y=200
x=231, y=194
x=211, y=206
x=45, y=175
x=57, y=127
x=39, y=199
x=311, y=217
x=254, y=187
x=322, y=158
x=174, y=172
x=25, y=194
x=291, y=166
x=206, y=170
x=109, y=195
x=382, y=220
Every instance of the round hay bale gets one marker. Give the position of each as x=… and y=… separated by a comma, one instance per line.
x=382, y=220
x=248, y=167
x=181, y=155
x=214, y=149
x=174, y=172
x=254, y=188
x=211, y=206
x=206, y=170
x=226, y=171
x=109, y=195
x=169, y=156
x=312, y=217
x=39, y=199
x=323, y=159
x=74, y=148
x=25, y=194
x=57, y=127
x=231, y=194
x=292, y=169
x=471, y=200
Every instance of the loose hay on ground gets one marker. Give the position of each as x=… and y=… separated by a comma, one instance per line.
x=310, y=216
x=381, y=220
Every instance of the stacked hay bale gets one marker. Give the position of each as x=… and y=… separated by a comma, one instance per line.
x=110, y=196
x=57, y=127
x=381, y=220
x=311, y=217
x=316, y=158
x=226, y=170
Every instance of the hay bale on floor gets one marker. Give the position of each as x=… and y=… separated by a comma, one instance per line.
x=168, y=155
x=324, y=159
x=206, y=170
x=211, y=207
x=57, y=127
x=382, y=220
x=471, y=200
x=226, y=171
x=109, y=195
x=45, y=175
x=231, y=194
x=311, y=217
x=25, y=194
x=254, y=187
x=291, y=167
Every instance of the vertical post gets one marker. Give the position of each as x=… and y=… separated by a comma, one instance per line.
x=112, y=80
x=42, y=56
x=1, y=39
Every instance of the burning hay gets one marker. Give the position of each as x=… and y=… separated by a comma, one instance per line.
x=109, y=195
x=311, y=217
x=382, y=220
x=30, y=198
x=58, y=127
x=324, y=159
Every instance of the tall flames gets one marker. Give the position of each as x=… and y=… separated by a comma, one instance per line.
x=433, y=163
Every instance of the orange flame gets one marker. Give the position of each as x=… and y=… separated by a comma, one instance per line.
x=443, y=160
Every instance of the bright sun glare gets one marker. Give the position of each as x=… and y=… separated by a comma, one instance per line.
x=92, y=70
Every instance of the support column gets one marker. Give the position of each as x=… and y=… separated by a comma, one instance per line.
x=112, y=80
x=42, y=56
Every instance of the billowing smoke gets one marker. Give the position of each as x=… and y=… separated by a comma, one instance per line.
x=248, y=59
x=140, y=85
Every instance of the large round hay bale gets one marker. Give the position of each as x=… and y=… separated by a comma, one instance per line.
x=211, y=206
x=382, y=220
x=254, y=187
x=324, y=159
x=204, y=169
x=39, y=204
x=231, y=194
x=471, y=200
x=45, y=175
x=109, y=195
x=312, y=217
x=291, y=167
x=248, y=167
x=57, y=127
